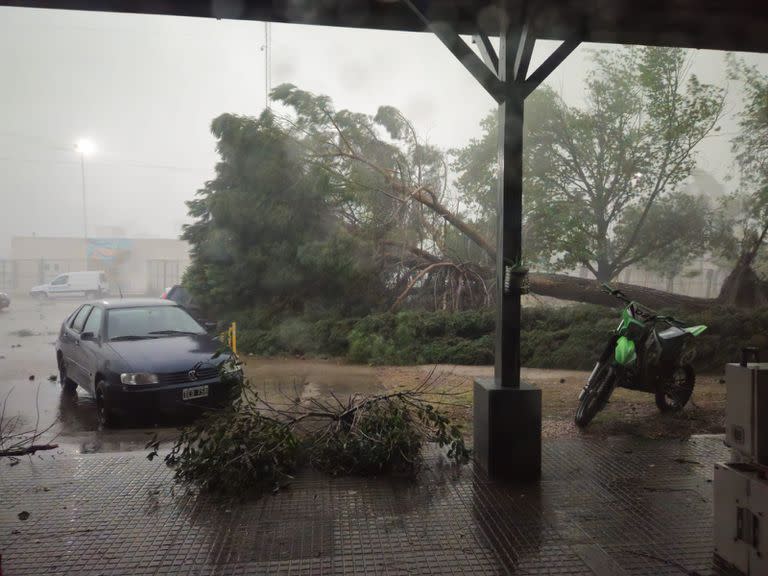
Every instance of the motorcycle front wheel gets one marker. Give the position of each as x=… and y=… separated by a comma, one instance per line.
x=674, y=392
x=595, y=395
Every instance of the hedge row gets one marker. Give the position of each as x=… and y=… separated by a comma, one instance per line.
x=568, y=337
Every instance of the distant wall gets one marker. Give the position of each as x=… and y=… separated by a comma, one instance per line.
x=137, y=265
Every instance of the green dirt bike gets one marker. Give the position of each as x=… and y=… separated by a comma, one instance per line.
x=647, y=352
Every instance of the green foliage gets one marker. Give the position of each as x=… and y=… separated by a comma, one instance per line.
x=411, y=337
x=384, y=440
x=729, y=330
x=573, y=337
x=253, y=446
x=741, y=223
x=601, y=181
x=386, y=436
x=408, y=337
x=234, y=451
x=565, y=338
x=266, y=233
x=569, y=337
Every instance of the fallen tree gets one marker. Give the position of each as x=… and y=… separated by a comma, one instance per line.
x=588, y=291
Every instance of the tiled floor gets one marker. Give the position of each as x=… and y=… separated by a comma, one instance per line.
x=609, y=506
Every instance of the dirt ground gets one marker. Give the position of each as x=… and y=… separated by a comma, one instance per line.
x=27, y=362
x=628, y=412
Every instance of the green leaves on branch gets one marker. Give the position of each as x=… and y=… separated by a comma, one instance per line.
x=743, y=217
x=385, y=436
x=235, y=450
x=601, y=177
x=256, y=445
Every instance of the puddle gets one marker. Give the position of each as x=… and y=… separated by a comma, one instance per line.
x=273, y=377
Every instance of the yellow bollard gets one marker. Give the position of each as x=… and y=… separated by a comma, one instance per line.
x=233, y=342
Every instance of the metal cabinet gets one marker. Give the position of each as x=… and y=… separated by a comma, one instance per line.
x=746, y=402
x=741, y=517
x=730, y=495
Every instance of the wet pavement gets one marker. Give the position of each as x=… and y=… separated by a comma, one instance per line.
x=29, y=383
x=28, y=380
x=604, y=506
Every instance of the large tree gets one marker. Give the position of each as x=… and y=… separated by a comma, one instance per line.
x=741, y=225
x=267, y=230
x=395, y=197
x=602, y=179
x=320, y=205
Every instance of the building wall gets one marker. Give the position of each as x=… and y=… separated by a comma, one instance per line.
x=136, y=265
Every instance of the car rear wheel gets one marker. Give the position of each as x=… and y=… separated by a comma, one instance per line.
x=107, y=418
x=67, y=384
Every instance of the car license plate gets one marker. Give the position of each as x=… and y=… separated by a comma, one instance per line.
x=196, y=392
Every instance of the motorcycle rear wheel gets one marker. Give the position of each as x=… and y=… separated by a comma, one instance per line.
x=674, y=392
x=595, y=396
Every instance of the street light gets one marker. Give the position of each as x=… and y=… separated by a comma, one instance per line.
x=85, y=147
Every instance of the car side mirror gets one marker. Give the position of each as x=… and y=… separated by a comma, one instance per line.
x=210, y=325
x=87, y=336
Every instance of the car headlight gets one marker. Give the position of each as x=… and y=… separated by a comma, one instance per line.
x=138, y=379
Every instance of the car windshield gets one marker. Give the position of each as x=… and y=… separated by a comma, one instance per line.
x=150, y=322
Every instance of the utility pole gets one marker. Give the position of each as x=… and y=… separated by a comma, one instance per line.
x=267, y=62
x=84, y=147
x=82, y=181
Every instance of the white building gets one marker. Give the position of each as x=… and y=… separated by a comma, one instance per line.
x=136, y=265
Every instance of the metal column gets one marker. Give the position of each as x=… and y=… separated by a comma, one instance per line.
x=510, y=206
x=507, y=413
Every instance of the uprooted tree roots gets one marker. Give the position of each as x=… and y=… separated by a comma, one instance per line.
x=256, y=445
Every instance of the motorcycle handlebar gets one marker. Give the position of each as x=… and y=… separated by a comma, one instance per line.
x=649, y=313
x=614, y=292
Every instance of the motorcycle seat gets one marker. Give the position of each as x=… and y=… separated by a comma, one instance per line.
x=671, y=333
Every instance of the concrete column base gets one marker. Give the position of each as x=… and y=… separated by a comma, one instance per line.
x=507, y=431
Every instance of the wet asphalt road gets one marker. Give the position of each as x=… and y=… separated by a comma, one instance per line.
x=28, y=332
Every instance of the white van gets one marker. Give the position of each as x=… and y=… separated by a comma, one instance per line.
x=89, y=284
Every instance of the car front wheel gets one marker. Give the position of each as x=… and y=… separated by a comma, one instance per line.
x=107, y=418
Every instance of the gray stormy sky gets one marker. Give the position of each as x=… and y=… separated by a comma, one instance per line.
x=145, y=88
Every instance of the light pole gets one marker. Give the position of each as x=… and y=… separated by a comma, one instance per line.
x=85, y=147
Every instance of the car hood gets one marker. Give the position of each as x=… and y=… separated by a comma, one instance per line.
x=170, y=354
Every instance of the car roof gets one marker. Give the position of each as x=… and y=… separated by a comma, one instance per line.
x=110, y=303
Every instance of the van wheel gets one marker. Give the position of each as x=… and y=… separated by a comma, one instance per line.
x=107, y=418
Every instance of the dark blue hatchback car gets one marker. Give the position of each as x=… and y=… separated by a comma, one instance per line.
x=140, y=355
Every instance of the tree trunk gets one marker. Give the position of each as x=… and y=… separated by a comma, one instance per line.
x=743, y=289
x=588, y=291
